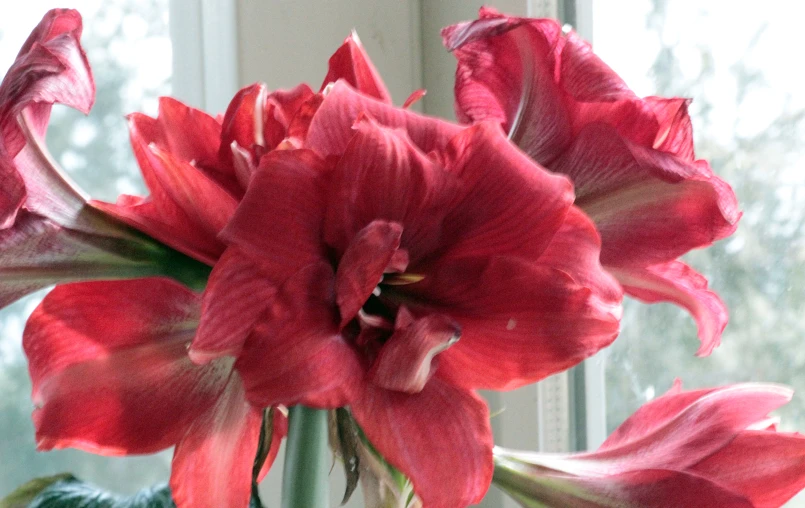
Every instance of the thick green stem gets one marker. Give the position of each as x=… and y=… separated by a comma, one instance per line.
x=305, y=482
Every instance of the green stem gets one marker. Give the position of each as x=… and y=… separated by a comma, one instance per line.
x=305, y=482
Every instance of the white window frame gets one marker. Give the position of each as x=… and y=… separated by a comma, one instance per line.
x=221, y=45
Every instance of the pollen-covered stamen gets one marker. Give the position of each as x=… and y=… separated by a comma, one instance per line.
x=406, y=360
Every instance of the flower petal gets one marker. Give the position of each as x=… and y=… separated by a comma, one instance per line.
x=678, y=283
x=331, y=128
x=676, y=131
x=212, y=464
x=130, y=339
x=244, y=121
x=440, y=438
x=649, y=206
x=236, y=295
x=508, y=204
x=362, y=265
x=278, y=222
x=351, y=63
x=766, y=467
x=404, y=361
x=295, y=354
x=505, y=73
x=191, y=135
x=520, y=321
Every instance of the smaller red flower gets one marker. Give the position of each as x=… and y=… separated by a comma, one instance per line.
x=712, y=447
x=631, y=159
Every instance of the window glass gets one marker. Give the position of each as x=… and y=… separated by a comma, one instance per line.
x=737, y=63
x=129, y=49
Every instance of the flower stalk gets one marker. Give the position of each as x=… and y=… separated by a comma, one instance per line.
x=305, y=477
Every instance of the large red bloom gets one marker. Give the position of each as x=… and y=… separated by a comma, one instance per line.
x=396, y=265
x=631, y=159
x=713, y=447
x=109, y=360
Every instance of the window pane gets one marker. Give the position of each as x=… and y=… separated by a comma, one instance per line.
x=129, y=50
x=749, y=119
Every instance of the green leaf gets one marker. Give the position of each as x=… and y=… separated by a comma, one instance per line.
x=25, y=493
x=67, y=491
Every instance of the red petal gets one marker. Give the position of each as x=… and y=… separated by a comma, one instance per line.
x=351, y=63
x=191, y=134
x=109, y=366
x=361, y=267
x=676, y=131
x=649, y=206
x=383, y=176
x=508, y=204
x=236, y=296
x=412, y=99
x=278, y=222
x=678, y=283
x=295, y=354
x=697, y=431
x=506, y=73
x=243, y=122
x=766, y=467
x=212, y=464
x=520, y=321
x=440, y=438
x=404, y=361
x=331, y=127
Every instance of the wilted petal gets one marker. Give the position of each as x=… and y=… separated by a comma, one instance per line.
x=331, y=128
x=212, y=464
x=351, y=63
x=295, y=354
x=130, y=338
x=440, y=438
x=678, y=283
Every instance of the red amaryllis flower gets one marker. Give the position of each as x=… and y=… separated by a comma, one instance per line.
x=712, y=447
x=397, y=282
x=48, y=234
x=631, y=159
x=111, y=375
x=109, y=360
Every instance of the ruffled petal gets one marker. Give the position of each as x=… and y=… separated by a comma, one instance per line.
x=382, y=175
x=649, y=206
x=678, y=283
x=520, y=321
x=296, y=355
x=212, y=464
x=331, y=128
x=440, y=438
x=362, y=265
x=109, y=366
x=506, y=73
x=278, y=222
x=508, y=205
x=351, y=63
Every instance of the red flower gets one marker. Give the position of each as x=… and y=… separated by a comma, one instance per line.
x=713, y=447
x=48, y=234
x=397, y=266
x=631, y=159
